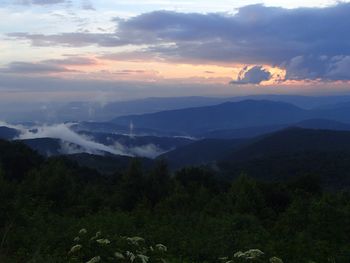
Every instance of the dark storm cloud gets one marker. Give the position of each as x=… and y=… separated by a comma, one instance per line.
x=318, y=67
x=291, y=38
x=255, y=75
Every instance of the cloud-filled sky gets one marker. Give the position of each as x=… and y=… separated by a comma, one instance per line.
x=88, y=49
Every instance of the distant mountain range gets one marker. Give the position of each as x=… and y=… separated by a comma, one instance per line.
x=105, y=111
x=253, y=115
x=99, y=111
x=229, y=137
x=229, y=115
x=260, y=130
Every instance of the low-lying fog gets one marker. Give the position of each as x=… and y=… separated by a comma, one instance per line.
x=73, y=142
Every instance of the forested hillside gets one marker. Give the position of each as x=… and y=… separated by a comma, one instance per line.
x=197, y=214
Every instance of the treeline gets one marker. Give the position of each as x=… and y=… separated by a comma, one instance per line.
x=196, y=214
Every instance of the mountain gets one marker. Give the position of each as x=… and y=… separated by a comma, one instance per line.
x=54, y=112
x=230, y=115
x=105, y=164
x=323, y=124
x=16, y=159
x=278, y=156
x=51, y=147
x=340, y=112
x=250, y=132
x=293, y=140
x=8, y=133
x=200, y=152
x=291, y=153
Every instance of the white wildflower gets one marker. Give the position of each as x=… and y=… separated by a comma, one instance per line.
x=97, y=235
x=130, y=255
x=94, y=260
x=82, y=231
x=135, y=240
x=276, y=260
x=253, y=253
x=119, y=255
x=143, y=258
x=75, y=248
x=103, y=241
x=161, y=247
x=239, y=254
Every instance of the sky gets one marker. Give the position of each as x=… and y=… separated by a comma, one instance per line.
x=105, y=50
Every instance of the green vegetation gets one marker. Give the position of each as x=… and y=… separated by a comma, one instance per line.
x=197, y=215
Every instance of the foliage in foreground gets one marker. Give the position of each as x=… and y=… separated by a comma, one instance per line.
x=97, y=248
x=196, y=214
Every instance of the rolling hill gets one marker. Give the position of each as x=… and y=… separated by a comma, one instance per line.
x=51, y=147
x=289, y=141
x=322, y=124
x=8, y=133
x=230, y=115
x=201, y=152
x=293, y=140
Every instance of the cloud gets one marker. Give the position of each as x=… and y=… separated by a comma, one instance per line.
x=64, y=133
x=255, y=35
x=73, y=61
x=148, y=150
x=47, y=66
x=72, y=142
x=254, y=75
x=134, y=56
x=339, y=68
x=30, y=68
x=71, y=148
x=323, y=67
x=78, y=39
x=40, y=2
x=87, y=5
